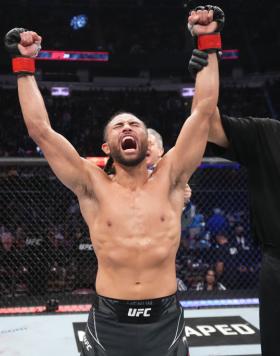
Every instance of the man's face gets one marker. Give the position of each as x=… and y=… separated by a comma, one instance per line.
x=221, y=239
x=210, y=277
x=7, y=241
x=239, y=230
x=154, y=152
x=187, y=194
x=127, y=140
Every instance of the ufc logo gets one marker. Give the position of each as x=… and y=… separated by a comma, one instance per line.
x=87, y=344
x=134, y=312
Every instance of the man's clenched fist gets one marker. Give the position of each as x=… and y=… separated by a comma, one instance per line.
x=19, y=41
x=205, y=20
x=23, y=46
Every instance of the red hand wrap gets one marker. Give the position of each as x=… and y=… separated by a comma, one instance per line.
x=23, y=65
x=212, y=41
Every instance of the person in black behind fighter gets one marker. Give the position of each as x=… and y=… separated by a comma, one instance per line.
x=255, y=144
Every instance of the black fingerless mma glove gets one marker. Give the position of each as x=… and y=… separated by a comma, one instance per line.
x=21, y=65
x=211, y=42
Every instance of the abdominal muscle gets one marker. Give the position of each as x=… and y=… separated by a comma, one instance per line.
x=136, y=268
x=135, y=235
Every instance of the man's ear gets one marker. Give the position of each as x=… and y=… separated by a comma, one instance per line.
x=105, y=148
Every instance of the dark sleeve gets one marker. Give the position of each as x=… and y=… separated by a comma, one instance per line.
x=244, y=135
x=221, y=254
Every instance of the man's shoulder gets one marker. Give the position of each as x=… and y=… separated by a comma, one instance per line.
x=96, y=178
x=166, y=167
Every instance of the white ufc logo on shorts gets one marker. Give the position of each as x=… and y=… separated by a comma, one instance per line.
x=135, y=312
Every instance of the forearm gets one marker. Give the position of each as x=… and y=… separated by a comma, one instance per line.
x=190, y=145
x=207, y=87
x=194, y=103
x=32, y=105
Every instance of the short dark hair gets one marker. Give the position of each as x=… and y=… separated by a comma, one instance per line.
x=210, y=268
x=112, y=118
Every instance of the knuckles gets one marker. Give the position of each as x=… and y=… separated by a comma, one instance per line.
x=28, y=38
x=206, y=15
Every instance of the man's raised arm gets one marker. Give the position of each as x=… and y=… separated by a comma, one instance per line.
x=197, y=62
x=64, y=160
x=190, y=146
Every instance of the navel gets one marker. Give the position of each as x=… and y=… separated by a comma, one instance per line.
x=109, y=224
x=137, y=283
x=162, y=218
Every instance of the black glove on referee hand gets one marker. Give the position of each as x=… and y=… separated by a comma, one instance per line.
x=199, y=60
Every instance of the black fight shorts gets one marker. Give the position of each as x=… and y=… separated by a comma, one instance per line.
x=135, y=328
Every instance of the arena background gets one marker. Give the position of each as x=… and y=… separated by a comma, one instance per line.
x=103, y=56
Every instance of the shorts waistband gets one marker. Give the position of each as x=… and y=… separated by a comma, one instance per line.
x=136, y=311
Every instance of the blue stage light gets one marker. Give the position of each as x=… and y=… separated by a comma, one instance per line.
x=79, y=21
x=219, y=302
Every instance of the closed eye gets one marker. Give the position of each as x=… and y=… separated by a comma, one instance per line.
x=118, y=125
x=134, y=123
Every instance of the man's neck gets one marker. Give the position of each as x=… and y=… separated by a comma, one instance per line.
x=131, y=177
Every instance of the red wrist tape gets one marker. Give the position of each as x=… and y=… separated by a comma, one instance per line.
x=23, y=65
x=213, y=41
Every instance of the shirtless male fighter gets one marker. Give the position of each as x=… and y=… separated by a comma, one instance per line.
x=133, y=217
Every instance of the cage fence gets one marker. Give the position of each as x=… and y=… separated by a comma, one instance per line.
x=46, y=256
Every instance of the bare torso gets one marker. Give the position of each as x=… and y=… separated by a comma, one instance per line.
x=135, y=234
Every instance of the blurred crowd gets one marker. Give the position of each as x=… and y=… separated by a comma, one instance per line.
x=81, y=117
x=54, y=262
x=218, y=245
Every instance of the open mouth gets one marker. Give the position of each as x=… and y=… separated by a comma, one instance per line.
x=128, y=143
